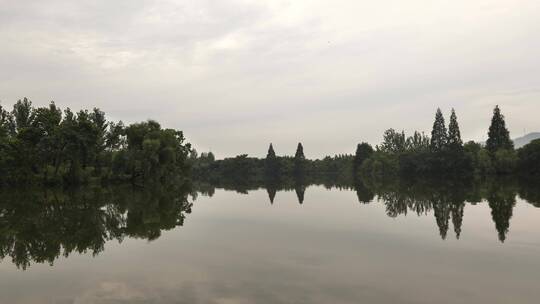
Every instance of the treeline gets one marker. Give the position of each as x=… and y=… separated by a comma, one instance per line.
x=272, y=169
x=441, y=155
x=445, y=155
x=49, y=146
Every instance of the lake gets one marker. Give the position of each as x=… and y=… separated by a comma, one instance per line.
x=297, y=244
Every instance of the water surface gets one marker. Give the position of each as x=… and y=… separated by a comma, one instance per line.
x=309, y=244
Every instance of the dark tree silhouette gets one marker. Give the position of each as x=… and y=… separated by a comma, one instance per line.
x=299, y=161
x=498, y=135
x=300, y=191
x=454, y=135
x=363, y=152
x=439, y=136
x=502, y=200
x=271, y=164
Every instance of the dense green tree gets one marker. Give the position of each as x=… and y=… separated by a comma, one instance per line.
x=41, y=144
x=115, y=138
x=505, y=161
x=5, y=122
x=418, y=142
x=393, y=142
x=529, y=158
x=479, y=158
x=439, y=136
x=363, y=152
x=22, y=114
x=498, y=135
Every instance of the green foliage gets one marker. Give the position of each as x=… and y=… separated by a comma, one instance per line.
x=41, y=225
x=439, y=136
x=529, y=158
x=419, y=142
x=299, y=160
x=272, y=165
x=43, y=145
x=363, y=152
x=380, y=166
x=479, y=158
x=498, y=135
x=271, y=154
x=299, y=152
x=505, y=161
x=393, y=142
x=454, y=135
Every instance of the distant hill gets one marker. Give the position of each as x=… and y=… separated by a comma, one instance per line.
x=522, y=141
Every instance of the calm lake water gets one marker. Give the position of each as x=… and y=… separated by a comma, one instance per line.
x=117, y=245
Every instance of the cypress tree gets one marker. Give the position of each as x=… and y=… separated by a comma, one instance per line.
x=498, y=135
x=439, y=136
x=454, y=135
x=299, y=160
x=271, y=154
x=271, y=163
x=299, y=152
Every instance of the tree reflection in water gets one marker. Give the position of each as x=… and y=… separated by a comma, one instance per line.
x=41, y=225
x=445, y=199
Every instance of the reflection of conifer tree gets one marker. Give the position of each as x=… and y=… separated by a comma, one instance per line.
x=457, y=217
x=501, y=201
x=299, y=161
x=300, y=190
x=441, y=209
x=271, y=193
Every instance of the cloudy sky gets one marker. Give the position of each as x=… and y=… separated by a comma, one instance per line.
x=236, y=75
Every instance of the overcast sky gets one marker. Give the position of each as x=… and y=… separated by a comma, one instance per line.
x=236, y=75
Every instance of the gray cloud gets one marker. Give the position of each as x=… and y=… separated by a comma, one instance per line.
x=236, y=75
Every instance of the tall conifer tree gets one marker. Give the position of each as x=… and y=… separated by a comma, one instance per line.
x=498, y=135
x=299, y=152
x=454, y=135
x=271, y=154
x=299, y=160
x=272, y=169
x=439, y=136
